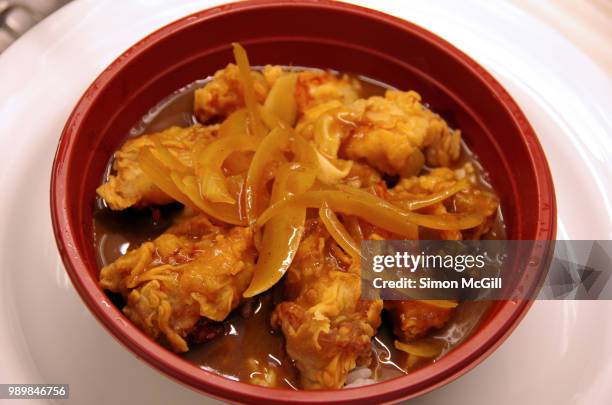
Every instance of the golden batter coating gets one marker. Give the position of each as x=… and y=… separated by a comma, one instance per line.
x=129, y=185
x=194, y=270
x=327, y=327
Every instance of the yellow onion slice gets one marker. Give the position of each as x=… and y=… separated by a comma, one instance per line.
x=354, y=228
x=381, y=213
x=209, y=164
x=167, y=158
x=188, y=185
x=426, y=348
x=270, y=149
x=443, y=222
x=160, y=176
x=448, y=304
x=282, y=234
x=339, y=232
x=303, y=151
x=280, y=101
x=242, y=60
x=431, y=199
x=235, y=124
x=328, y=172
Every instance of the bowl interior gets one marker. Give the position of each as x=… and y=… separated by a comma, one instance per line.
x=313, y=34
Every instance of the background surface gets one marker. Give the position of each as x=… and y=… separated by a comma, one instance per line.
x=559, y=354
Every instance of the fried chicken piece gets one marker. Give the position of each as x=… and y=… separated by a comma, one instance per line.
x=473, y=199
x=129, y=186
x=319, y=87
x=437, y=179
x=416, y=187
x=327, y=327
x=205, y=330
x=193, y=273
x=415, y=319
x=362, y=176
x=224, y=94
x=395, y=134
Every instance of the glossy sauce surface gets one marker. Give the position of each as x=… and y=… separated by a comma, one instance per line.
x=249, y=348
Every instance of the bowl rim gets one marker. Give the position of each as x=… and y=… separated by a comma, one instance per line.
x=451, y=366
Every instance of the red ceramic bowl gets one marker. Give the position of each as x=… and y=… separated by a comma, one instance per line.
x=315, y=34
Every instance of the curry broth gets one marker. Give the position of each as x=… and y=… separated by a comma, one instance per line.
x=248, y=345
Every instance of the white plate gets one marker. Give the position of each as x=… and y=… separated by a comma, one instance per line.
x=559, y=354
